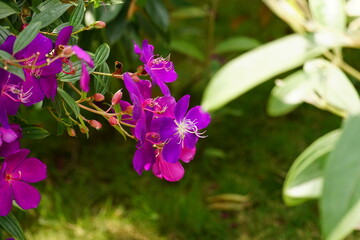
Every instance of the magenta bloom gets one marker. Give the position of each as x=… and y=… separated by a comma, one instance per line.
x=171, y=172
x=183, y=131
x=63, y=39
x=16, y=172
x=9, y=139
x=161, y=70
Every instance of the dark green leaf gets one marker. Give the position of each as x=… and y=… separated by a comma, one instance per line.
x=189, y=12
x=102, y=82
x=187, y=48
x=340, y=202
x=10, y=68
x=26, y=36
x=101, y=54
x=236, y=44
x=69, y=101
x=256, y=66
x=305, y=178
x=4, y=33
x=50, y=14
x=34, y=132
x=11, y=225
x=157, y=13
x=6, y=10
x=109, y=13
x=77, y=15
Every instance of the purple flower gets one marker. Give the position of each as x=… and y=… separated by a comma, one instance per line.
x=43, y=69
x=171, y=172
x=161, y=70
x=61, y=42
x=13, y=92
x=183, y=131
x=9, y=139
x=16, y=172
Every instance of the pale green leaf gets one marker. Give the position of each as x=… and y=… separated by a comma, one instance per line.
x=101, y=54
x=256, y=66
x=77, y=15
x=329, y=13
x=305, y=178
x=6, y=10
x=50, y=14
x=332, y=86
x=10, y=68
x=340, y=202
x=4, y=33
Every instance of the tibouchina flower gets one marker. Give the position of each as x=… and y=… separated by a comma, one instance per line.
x=9, y=139
x=161, y=70
x=16, y=172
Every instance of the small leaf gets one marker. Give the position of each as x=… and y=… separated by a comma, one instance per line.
x=289, y=93
x=32, y=132
x=49, y=15
x=11, y=225
x=189, y=12
x=69, y=101
x=77, y=15
x=340, y=202
x=6, y=10
x=101, y=54
x=305, y=178
x=256, y=66
x=187, y=48
x=26, y=36
x=4, y=33
x=236, y=44
x=10, y=68
x=330, y=14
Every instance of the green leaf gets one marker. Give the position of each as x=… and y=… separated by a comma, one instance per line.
x=69, y=101
x=236, y=44
x=26, y=36
x=340, y=202
x=4, y=33
x=50, y=14
x=102, y=82
x=332, y=86
x=187, y=48
x=6, y=10
x=32, y=132
x=330, y=14
x=256, y=66
x=10, y=68
x=77, y=15
x=189, y=12
x=48, y=4
x=11, y=225
x=101, y=54
x=288, y=94
x=157, y=13
x=305, y=178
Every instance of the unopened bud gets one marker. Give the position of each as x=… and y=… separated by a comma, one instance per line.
x=113, y=121
x=116, y=98
x=67, y=52
x=129, y=109
x=24, y=26
x=98, y=97
x=71, y=132
x=95, y=124
x=99, y=24
x=84, y=129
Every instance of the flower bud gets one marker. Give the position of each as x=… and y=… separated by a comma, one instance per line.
x=98, y=97
x=116, y=98
x=71, y=132
x=84, y=129
x=67, y=51
x=113, y=121
x=99, y=24
x=129, y=109
x=95, y=124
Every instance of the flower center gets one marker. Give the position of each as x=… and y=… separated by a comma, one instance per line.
x=17, y=93
x=9, y=177
x=160, y=63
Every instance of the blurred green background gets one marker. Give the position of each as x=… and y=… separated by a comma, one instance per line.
x=92, y=192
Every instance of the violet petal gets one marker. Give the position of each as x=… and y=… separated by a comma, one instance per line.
x=25, y=195
x=32, y=170
x=5, y=198
x=171, y=151
x=181, y=108
x=202, y=118
x=84, y=78
x=83, y=55
x=64, y=36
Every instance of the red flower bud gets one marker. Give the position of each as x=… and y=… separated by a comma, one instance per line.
x=116, y=98
x=84, y=129
x=98, y=97
x=71, y=132
x=99, y=24
x=113, y=121
x=129, y=109
x=95, y=124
